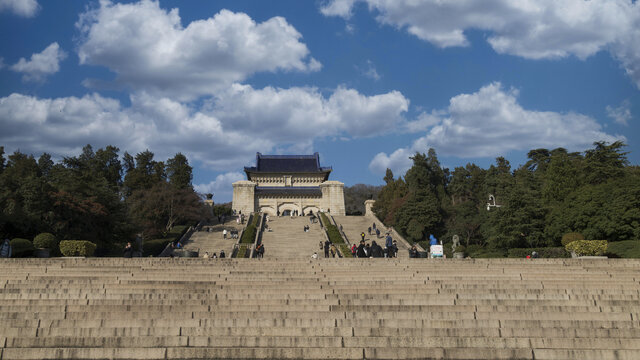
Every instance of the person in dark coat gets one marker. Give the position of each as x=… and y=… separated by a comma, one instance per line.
x=327, y=245
x=361, y=253
x=222, y=254
x=128, y=250
x=376, y=250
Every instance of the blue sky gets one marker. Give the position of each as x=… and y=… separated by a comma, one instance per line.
x=364, y=83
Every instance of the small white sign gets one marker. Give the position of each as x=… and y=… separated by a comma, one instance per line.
x=436, y=251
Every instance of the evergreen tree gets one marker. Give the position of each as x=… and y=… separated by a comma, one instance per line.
x=179, y=172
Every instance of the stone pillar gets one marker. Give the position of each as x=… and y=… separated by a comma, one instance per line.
x=244, y=196
x=333, y=197
x=368, y=205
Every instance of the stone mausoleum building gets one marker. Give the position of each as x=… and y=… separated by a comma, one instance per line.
x=281, y=184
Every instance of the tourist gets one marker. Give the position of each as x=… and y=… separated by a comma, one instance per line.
x=224, y=233
x=376, y=250
x=413, y=253
x=362, y=235
x=388, y=242
x=340, y=227
x=367, y=250
x=378, y=233
x=222, y=254
x=327, y=244
x=369, y=230
x=260, y=251
x=5, y=249
x=361, y=252
x=315, y=255
x=206, y=255
x=354, y=250
x=394, y=248
x=333, y=250
x=374, y=226
x=214, y=256
x=128, y=250
x=321, y=246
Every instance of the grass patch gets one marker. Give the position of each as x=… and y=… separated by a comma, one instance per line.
x=624, y=249
x=346, y=252
x=249, y=234
x=332, y=231
x=242, y=252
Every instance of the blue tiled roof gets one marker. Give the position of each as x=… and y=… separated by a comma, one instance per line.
x=288, y=164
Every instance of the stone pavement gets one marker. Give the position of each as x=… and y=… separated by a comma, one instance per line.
x=181, y=308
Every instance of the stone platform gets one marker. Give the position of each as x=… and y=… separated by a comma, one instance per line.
x=147, y=308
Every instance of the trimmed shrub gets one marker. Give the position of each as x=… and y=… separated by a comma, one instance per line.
x=242, y=252
x=479, y=252
x=344, y=249
x=332, y=231
x=571, y=237
x=77, y=248
x=545, y=252
x=21, y=248
x=588, y=247
x=624, y=249
x=45, y=241
x=249, y=235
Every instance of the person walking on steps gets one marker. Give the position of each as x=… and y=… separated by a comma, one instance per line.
x=327, y=245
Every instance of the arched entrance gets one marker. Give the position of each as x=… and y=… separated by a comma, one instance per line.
x=307, y=209
x=269, y=210
x=287, y=208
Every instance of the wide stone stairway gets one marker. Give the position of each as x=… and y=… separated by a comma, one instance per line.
x=287, y=238
x=353, y=226
x=210, y=238
x=162, y=308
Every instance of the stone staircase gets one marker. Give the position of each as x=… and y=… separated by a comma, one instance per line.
x=353, y=226
x=163, y=308
x=288, y=240
x=213, y=241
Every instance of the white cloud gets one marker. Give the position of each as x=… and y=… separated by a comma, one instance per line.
x=24, y=8
x=149, y=49
x=398, y=162
x=221, y=187
x=284, y=115
x=490, y=123
x=620, y=114
x=41, y=64
x=370, y=71
x=533, y=29
x=222, y=134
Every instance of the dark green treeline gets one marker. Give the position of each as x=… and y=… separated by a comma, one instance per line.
x=595, y=193
x=95, y=196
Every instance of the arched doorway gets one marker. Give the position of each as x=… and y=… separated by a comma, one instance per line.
x=269, y=210
x=286, y=209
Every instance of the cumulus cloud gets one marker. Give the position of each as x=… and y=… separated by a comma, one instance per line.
x=24, y=8
x=369, y=70
x=221, y=187
x=41, y=64
x=398, y=162
x=620, y=114
x=533, y=29
x=148, y=48
x=220, y=134
x=490, y=122
x=304, y=113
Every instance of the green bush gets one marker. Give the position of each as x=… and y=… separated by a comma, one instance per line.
x=153, y=247
x=249, y=235
x=45, y=241
x=480, y=252
x=460, y=249
x=332, y=231
x=344, y=249
x=545, y=252
x=77, y=248
x=588, y=247
x=21, y=248
x=242, y=252
x=571, y=237
x=624, y=249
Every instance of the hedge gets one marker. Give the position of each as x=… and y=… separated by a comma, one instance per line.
x=588, y=247
x=344, y=249
x=21, y=248
x=571, y=237
x=332, y=231
x=155, y=246
x=249, y=234
x=242, y=252
x=545, y=252
x=77, y=248
x=45, y=241
x=624, y=249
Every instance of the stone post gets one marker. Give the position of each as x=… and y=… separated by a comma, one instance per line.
x=243, y=196
x=368, y=205
x=333, y=197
